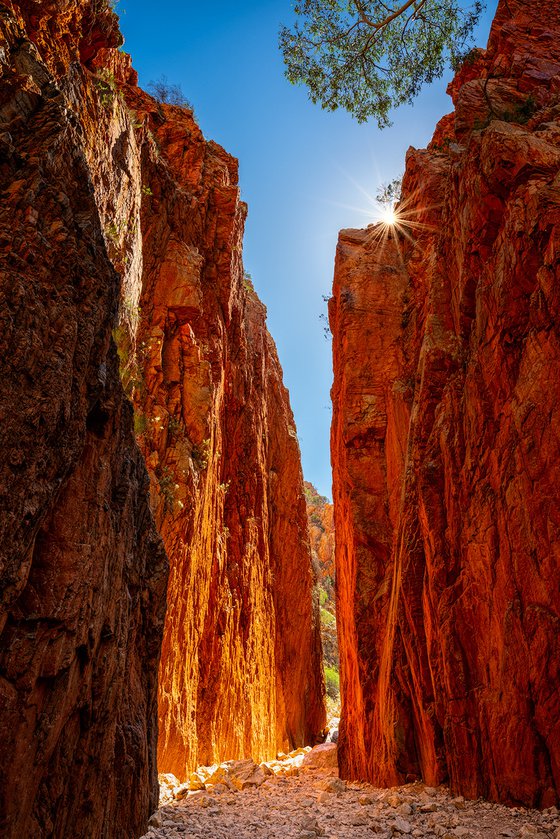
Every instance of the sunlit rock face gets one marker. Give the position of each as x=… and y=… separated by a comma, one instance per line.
x=82, y=569
x=320, y=517
x=445, y=442
x=241, y=663
x=122, y=231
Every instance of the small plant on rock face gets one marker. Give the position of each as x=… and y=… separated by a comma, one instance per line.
x=332, y=683
x=168, y=94
x=105, y=6
x=140, y=424
x=200, y=454
x=116, y=229
x=248, y=282
x=522, y=113
x=327, y=619
x=167, y=488
x=131, y=309
x=315, y=519
x=464, y=59
x=175, y=428
x=107, y=86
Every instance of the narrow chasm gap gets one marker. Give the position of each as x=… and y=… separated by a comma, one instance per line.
x=320, y=516
x=445, y=440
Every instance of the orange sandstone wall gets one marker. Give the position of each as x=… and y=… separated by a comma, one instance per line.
x=241, y=662
x=320, y=517
x=445, y=442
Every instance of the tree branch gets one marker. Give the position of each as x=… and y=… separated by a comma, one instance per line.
x=390, y=18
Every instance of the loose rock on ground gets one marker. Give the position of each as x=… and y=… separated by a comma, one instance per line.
x=291, y=798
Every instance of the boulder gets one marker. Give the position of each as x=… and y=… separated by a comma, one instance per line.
x=323, y=756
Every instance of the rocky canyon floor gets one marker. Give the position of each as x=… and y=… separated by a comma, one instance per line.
x=303, y=803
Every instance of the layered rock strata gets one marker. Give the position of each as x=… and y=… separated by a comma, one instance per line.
x=82, y=568
x=445, y=442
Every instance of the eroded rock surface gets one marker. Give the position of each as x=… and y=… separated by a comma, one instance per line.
x=241, y=661
x=82, y=569
x=445, y=442
x=320, y=517
x=118, y=217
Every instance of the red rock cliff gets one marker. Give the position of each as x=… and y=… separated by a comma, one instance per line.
x=82, y=569
x=241, y=662
x=97, y=176
x=320, y=517
x=445, y=442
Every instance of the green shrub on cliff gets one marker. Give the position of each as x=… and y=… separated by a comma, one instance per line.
x=332, y=683
x=168, y=94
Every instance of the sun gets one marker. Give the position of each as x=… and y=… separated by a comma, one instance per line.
x=388, y=216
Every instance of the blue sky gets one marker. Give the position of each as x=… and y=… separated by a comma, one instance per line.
x=304, y=173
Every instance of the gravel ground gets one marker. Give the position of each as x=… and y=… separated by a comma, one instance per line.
x=317, y=803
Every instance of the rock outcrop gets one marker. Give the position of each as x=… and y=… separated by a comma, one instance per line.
x=314, y=802
x=82, y=568
x=445, y=442
x=121, y=253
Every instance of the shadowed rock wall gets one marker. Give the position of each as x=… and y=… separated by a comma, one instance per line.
x=82, y=569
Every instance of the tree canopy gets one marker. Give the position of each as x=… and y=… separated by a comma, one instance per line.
x=369, y=56
x=389, y=194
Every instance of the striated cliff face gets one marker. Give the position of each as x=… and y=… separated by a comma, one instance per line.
x=121, y=254
x=241, y=662
x=82, y=569
x=445, y=442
